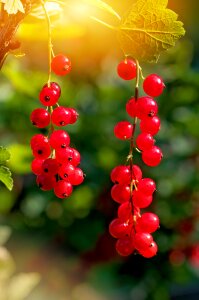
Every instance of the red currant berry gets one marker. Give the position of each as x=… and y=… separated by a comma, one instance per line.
x=136, y=173
x=124, y=247
x=141, y=200
x=55, y=86
x=49, y=96
x=123, y=130
x=119, y=229
x=38, y=139
x=125, y=211
x=152, y=157
x=148, y=222
x=66, y=170
x=61, y=65
x=36, y=166
x=61, y=116
x=77, y=177
x=74, y=115
x=63, y=189
x=46, y=182
x=41, y=151
x=127, y=69
x=150, y=125
x=59, y=139
x=146, y=107
x=153, y=85
x=142, y=240
x=70, y=155
x=145, y=141
x=121, y=174
x=40, y=117
x=120, y=193
x=131, y=108
x=147, y=186
x=149, y=251
x=50, y=166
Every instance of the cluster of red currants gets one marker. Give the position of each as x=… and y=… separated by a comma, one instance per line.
x=55, y=162
x=130, y=190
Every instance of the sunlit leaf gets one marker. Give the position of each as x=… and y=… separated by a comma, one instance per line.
x=13, y=6
x=6, y=177
x=148, y=29
x=103, y=5
x=4, y=155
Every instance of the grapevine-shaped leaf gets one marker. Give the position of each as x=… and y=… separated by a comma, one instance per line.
x=148, y=29
x=13, y=6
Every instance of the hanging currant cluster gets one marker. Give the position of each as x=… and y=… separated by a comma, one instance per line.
x=132, y=191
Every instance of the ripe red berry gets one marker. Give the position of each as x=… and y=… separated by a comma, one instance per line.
x=61, y=65
x=38, y=139
x=147, y=186
x=49, y=96
x=150, y=125
x=77, y=177
x=125, y=211
x=152, y=157
x=59, y=139
x=121, y=174
x=55, y=86
x=123, y=130
x=41, y=150
x=131, y=108
x=65, y=170
x=148, y=222
x=40, y=117
x=74, y=115
x=46, y=182
x=141, y=200
x=63, y=189
x=50, y=166
x=36, y=166
x=149, y=251
x=124, y=247
x=142, y=240
x=68, y=154
x=153, y=85
x=61, y=116
x=145, y=141
x=119, y=229
x=127, y=69
x=120, y=193
x=146, y=107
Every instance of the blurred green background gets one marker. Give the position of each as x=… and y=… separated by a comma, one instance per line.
x=68, y=243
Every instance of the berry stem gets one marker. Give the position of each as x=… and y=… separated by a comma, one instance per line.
x=50, y=47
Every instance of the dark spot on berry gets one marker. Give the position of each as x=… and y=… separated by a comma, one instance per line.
x=34, y=124
x=39, y=151
x=47, y=98
x=65, y=175
x=40, y=185
x=46, y=170
x=70, y=158
x=65, y=195
x=151, y=114
x=62, y=123
x=63, y=146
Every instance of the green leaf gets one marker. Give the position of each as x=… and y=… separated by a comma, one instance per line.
x=103, y=5
x=13, y=6
x=6, y=177
x=4, y=155
x=148, y=29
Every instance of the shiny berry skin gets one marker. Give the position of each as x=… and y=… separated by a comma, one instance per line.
x=40, y=118
x=141, y=200
x=149, y=251
x=41, y=150
x=125, y=211
x=127, y=69
x=120, y=193
x=74, y=115
x=119, y=229
x=50, y=166
x=142, y=240
x=153, y=85
x=48, y=96
x=66, y=170
x=36, y=166
x=55, y=86
x=123, y=130
x=68, y=154
x=121, y=174
x=147, y=186
x=145, y=141
x=150, y=125
x=77, y=177
x=38, y=139
x=146, y=107
x=152, y=157
x=59, y=139
x=131, y=108
x=124, y=247
x=63, y=189
x=46, y=182
x=148, y=222
x=61, y=116
x=61, y=65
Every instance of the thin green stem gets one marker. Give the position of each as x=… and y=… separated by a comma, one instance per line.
x=103, y=23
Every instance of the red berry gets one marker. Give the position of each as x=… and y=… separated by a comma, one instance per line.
x=141, y=200
x=145, y=141
x=120, y=193
x=148, y=222
x=147, y=186
x=131, y=108
x=50, y=166
x=41, y=150
x=63, y=189
x=137, y=173
x=150, y=125
x=40, y=117
x=125, y=211
x=153, y=85
x=36, y=166
x=68, y=154
x=61, y=65
x=74, y=115
x=152, y=157
x=127, y=69
x=77, y=177
x=66, y=170
x=55, y=86
x=124, y=247
x=119, y=229
x=146, y=107
x=149, y=251
x=38, y=139
x=121, y=174
x=142, y=240
x=49, y=96
x=46, y=182
x=123, y=130
x=61, y=116
x=59, y=139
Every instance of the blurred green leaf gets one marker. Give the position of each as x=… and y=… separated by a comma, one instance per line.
x=4, y=155
x=6, y=177
x=20, y=158
x=5, y=233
